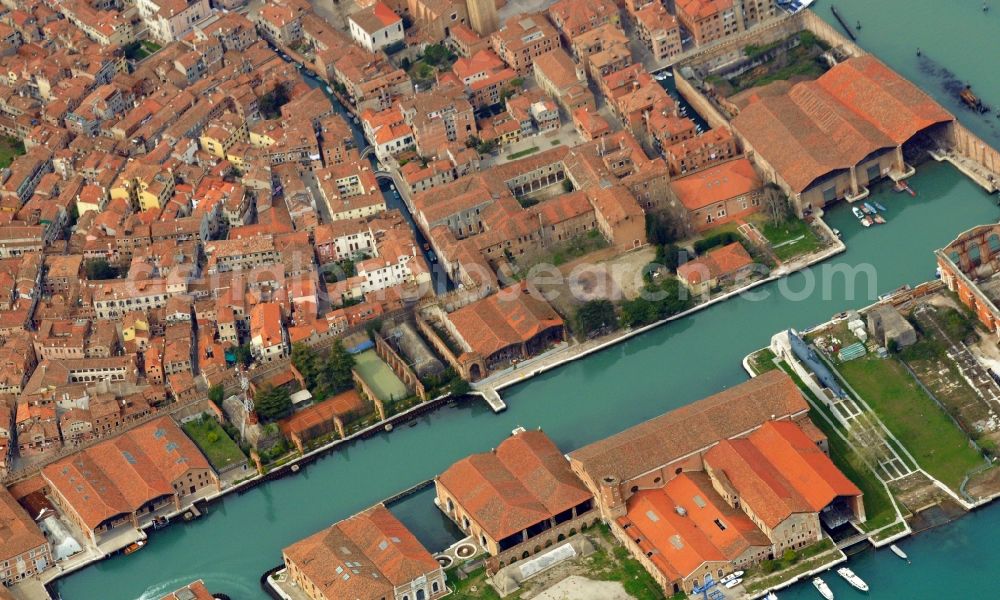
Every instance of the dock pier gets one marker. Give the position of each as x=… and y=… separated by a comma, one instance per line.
x=969, y=168
x=492, y=397
x=847, y=29
x=423, y=485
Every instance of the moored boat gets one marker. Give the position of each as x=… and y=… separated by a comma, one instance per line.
x=857, y=212
x=879, y=206
x=733, y=583
x=899, y=552
x=878, y=219
x=871, y=209
x=731, y=576
x=134, y=547
x=851, y=578
x=771, y=596
x=867, y=221
x=822, y=588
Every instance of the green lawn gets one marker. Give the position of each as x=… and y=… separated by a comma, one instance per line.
x=618, y=565
x=386, y=385
x=10, y=148
x=213, y=441
x=762, y=361
x=930, y=435
x=791, y=238
x=879, y=509
x=523, y=153
x=474, y=586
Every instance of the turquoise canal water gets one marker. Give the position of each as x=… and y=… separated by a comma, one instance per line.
x=658, y=371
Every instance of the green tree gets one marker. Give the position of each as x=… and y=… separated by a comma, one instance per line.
x=567, y=185
x=98, y=268
x=594, y=316
x=217, y=394
x=669, y=256
x=307, y=363
x=336, y=375
x=272, y=403
x=270, y=103
x=658, y=230
x=436, y=55
x=459, y=387
x=243, y=355
x=657, y=301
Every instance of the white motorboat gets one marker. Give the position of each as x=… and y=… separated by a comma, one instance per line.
x=822, y=588
x=731, y=576
x=858, y=212
x=898, y=552
x=733, y=583
x=851, y=578
x=771, y=596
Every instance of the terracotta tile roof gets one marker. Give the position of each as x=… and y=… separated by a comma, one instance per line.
x=807, y=133
x=363, y=557
x=18, y=531
x=120, y=475
x=523, y=481
x=340, y=406
x=778, y=471
x=680, y=544
x=702, y=9
x=816, y=127
x=879, y=95
x=716, y=184
x=374, y=19
x=692, y=428
x=716, y=263
x=197, y=588
x=503, y=319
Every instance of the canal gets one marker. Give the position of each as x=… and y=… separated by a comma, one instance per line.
x=671, y=366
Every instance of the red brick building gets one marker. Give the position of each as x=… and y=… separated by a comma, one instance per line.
x=515, y=500
x=968, y=266
x=717, y=195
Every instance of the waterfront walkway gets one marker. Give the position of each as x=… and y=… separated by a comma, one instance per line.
x=969, y=168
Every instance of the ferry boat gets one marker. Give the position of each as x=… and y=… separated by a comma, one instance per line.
x=850, y=577
x=858, y=212
x=822, y=588
x=899, y=552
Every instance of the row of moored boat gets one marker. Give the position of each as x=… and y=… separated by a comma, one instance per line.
x=848, y=575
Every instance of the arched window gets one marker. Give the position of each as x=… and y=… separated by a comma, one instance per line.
x=994, y=243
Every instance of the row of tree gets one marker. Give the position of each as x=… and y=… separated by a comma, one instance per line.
x=325, y=375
